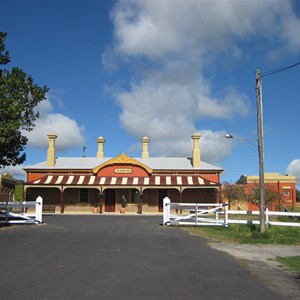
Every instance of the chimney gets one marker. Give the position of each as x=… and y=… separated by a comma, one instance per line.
x=51, y=150
x=100, y=140
x=196, y=150
x=145, y=142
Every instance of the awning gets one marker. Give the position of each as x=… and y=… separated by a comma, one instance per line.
x=90, y=180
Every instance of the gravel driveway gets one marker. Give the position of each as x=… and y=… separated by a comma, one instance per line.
x=260, y=261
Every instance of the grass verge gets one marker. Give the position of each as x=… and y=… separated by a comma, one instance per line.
x=249, y=234
x=291, y=263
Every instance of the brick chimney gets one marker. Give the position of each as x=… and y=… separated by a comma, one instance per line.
x=51, y=150
x=100, y=140
x=145, y=142
x=196, y=150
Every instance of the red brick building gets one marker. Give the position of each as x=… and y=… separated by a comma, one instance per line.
x=78, y=183
x=285, y=185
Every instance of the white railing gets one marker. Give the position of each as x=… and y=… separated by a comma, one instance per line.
x=294, y=215
x=16, y=212
x=199, y=214
x=193, y=213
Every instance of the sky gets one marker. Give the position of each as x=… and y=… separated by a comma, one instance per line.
x=164, y=69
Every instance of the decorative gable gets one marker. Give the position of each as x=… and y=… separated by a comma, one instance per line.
x=123, y=159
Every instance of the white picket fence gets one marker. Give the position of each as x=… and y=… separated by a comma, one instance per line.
x=16, y=212
x=213, y=214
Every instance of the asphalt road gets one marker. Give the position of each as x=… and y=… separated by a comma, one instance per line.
x=117, y=257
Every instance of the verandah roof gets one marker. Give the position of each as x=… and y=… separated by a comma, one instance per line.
x=122, y=181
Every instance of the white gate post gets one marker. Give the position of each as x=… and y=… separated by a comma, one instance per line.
x=166, y=203
x=39, y=209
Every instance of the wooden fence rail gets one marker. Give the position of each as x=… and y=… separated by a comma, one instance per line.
x=16, y=212
x=214, y=214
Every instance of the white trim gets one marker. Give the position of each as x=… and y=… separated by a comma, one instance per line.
x=179, y=180
x=92, y=179
x=59, y=179
x=81, y=178
x=168, y=180
x=102, y=180
x=70, y=179
x=200, y=180
x=157, y=180
x=49, y=179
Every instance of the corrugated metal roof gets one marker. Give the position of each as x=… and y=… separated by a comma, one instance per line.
x=155, y=163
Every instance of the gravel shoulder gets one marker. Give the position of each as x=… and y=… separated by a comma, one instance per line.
x=260, y=261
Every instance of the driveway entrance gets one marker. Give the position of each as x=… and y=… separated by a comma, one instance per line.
x=117, y=257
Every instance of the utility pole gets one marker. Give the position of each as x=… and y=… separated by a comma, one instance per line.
x=262, y=213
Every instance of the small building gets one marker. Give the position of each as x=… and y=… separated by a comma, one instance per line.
x=7, y=187
x=285, y=185
x=78, y=183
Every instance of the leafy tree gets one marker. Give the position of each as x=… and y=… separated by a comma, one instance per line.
x=19, y=95
x=271, y=195
x=234, y=193
x=239, y=192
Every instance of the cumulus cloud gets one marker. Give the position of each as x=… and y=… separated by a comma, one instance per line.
x=294, y=169
x=170, y=47
x=69, y=133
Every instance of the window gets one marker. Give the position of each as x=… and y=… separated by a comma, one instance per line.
x=84, y=195
x=286, y=193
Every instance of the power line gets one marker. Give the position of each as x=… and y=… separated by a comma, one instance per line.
x=268, y=73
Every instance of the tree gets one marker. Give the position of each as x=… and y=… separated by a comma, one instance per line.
x=234, y=193
x=271, y=195
x=19, y=95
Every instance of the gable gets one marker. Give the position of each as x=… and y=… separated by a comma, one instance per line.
x=122, y=164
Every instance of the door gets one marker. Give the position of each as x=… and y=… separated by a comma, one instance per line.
x=110, y=200
x=161, y=195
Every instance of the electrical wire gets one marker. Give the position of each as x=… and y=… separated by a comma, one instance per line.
x=268, y=73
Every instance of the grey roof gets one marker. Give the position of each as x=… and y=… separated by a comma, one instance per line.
x=156, y=163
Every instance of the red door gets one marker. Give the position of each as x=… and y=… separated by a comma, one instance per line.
x=110, y=200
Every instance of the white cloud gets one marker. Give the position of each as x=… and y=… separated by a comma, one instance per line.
x=171, y=45
x=294, y=169
x=155, y=29
x=170, y=110
x=69, y=133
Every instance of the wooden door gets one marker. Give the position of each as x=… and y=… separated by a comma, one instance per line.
x=110, y=200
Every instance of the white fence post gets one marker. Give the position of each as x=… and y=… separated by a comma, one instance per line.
x=226, y=215
x=267, y=217
x=166, y=203
x=39, y=209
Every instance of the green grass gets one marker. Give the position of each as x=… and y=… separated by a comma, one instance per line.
x=291, y=263
x=249, y=234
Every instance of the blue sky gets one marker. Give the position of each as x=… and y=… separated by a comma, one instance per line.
x=166, y=69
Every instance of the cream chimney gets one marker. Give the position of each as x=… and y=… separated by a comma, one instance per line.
x=196, y=150
x=100, y=140
x=145, y=142
x=51, y=150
